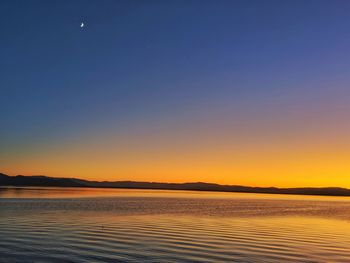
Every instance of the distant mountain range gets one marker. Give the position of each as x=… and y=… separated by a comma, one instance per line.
x=20, y=180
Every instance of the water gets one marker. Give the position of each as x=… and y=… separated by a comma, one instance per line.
x=111, y=225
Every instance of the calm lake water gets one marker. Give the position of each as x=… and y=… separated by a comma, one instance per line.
x=113, y=225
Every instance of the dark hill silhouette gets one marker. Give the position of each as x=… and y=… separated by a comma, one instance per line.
x=20, y=180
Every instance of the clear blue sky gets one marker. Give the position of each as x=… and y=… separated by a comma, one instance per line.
x=146, y=62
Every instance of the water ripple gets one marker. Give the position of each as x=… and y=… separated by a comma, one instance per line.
x=133, y=229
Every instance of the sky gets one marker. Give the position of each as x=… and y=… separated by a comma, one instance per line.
x=231, y=92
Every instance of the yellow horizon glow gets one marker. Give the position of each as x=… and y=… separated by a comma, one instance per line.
x=295, y=159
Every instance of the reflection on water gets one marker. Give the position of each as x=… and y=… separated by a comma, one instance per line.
x=77, y=192
x=109, y=225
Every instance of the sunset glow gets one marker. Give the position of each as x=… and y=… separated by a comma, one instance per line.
x=264, y=104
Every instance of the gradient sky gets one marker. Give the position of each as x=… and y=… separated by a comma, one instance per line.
x=234, y=92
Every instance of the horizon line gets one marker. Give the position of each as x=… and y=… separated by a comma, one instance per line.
x=179, y=183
